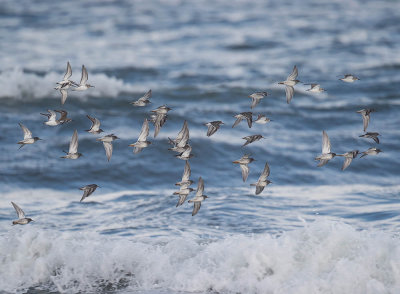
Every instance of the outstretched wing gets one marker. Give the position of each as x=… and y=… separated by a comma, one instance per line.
x=73, y=145
x=238, y=120
x=289, y=93
x=27, y=133
x=245, y=171
x=196, y=207
x=186, y=172
x=293, y=75
x=84, y=76
x=265, y=174
x=326, y=144
x=64, y=95
x=19, y=211
x=200, y=188
x=211, y=130
x=346, y=163
x=259, y=189
x=109, y=149
x=365, y=118
x=68, y=73
x=145, y=97
x=254, y=102
x=145, y=131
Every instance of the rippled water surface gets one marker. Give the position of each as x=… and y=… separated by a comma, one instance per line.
x=313, y=230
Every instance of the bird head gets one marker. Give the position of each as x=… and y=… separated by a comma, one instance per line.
x=29, y=219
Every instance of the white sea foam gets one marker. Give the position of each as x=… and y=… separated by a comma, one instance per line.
x=322, y=257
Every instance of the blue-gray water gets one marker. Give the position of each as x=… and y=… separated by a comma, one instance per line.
x=313, y=230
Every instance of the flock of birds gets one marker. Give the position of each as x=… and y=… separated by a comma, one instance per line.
x=181, y=144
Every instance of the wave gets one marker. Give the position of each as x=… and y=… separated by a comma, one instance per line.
x=321, y=257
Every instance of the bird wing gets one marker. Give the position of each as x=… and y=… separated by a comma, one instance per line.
x=52, y=116
x=254, y=102
x=68, y=73
x=187, y=151
x=289, y=93
x=186, y=172
x=211, y=130
x=265, y=173
x=259, y=189
x=19, y=211
x=346, y=163
x=181, y=133
x=182, y=199
x=245, y=171
x=365, y=121
x=322, y=162
x=185, y=138
x=73, y=145
x=249, y=118
x=376, y=139
x=145, y=131
x=196, y=207
x=64, y=95
x=145, y=97
x=63, y=115
x=27, y=133
x=157, y=124
x=326, y=144
x=200, y=188
x=96, y=124
x=293, y=75
x=84, y=76
x=238, y=120
x=109, y=149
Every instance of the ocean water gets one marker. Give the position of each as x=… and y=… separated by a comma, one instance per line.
x=313, y=230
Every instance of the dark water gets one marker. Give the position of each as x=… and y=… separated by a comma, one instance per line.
x=310, y=231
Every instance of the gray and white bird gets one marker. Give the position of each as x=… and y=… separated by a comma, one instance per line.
x=243, y=115
x=199, y=197
x=51, y=118
x=22, y=220
x=185, y=176
x=326, y=151
x=372, y=135
x=365, y=116
x=243, y=163
x=83, y=83
x=66, y=82
x=28, y=139
x=88, y=190
x=289, y=83
x=348, y=157
x=262, y=119
x=262, y=180
x=160, y=118
x=73, y=148
x=181, y=139
x=95, y=127
x=107, y=143
x=183, y=192
x=315, y=88
x=256, y=97
x=185, y=155
x=213, y=126
x=142, y=101
x=251, y=139
x=142, y=140
x=371, y=151
x=63, y=118
x=349, y=78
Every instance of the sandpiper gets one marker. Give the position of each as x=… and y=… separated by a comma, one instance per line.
x=251, y=139
x=63, y=118
x=107, y=143
x=95, y=128
x=142, y=101
x=372, y=135
x=348, y=157
x=28, y=139
x=289, y=83
x=365, y=116
x=142, y=140
x=160, y=118
x=243, y=115
x=256, y=97
x=73, y=148
x=326, y=151
x=88, y=190
x=349, y=78
x=185, y=155
x=371, y=151
x=243, y=163
x=262, y=180
x=22, y=220
x=315, y=88
x=181, y=139
x=262, y=119
x=183, y=192
x=199, y=197
x=185, y=176
x=82, y=84
x=51, y=118
x=65, y=83
x=213, y=126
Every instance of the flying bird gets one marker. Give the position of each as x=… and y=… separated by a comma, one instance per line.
x=183, y=192
x=243, y=163
x=142, y=101
x=51, y=118
x=262, y=180
x=199, y=197
x=348, y=157
x=251, y=139
x=243, y=115
x=88, y=190
x=262, y=119
x=289, y=83
x=326, y=151
x=22, y=220
x=142, y=140
x=73, y=148
x=95, y=127
x=107, y=143
x=315, y=88
x=372, y=135
x=371, y=151
x=213, y=126
x=63, y=118
x=365, y=116
x=28, y=139
x=256, y=97
x=82, y=84
x=65, y=83
x=185, y=155
x=185, y=176
x=349, y=78
x=159, y=118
